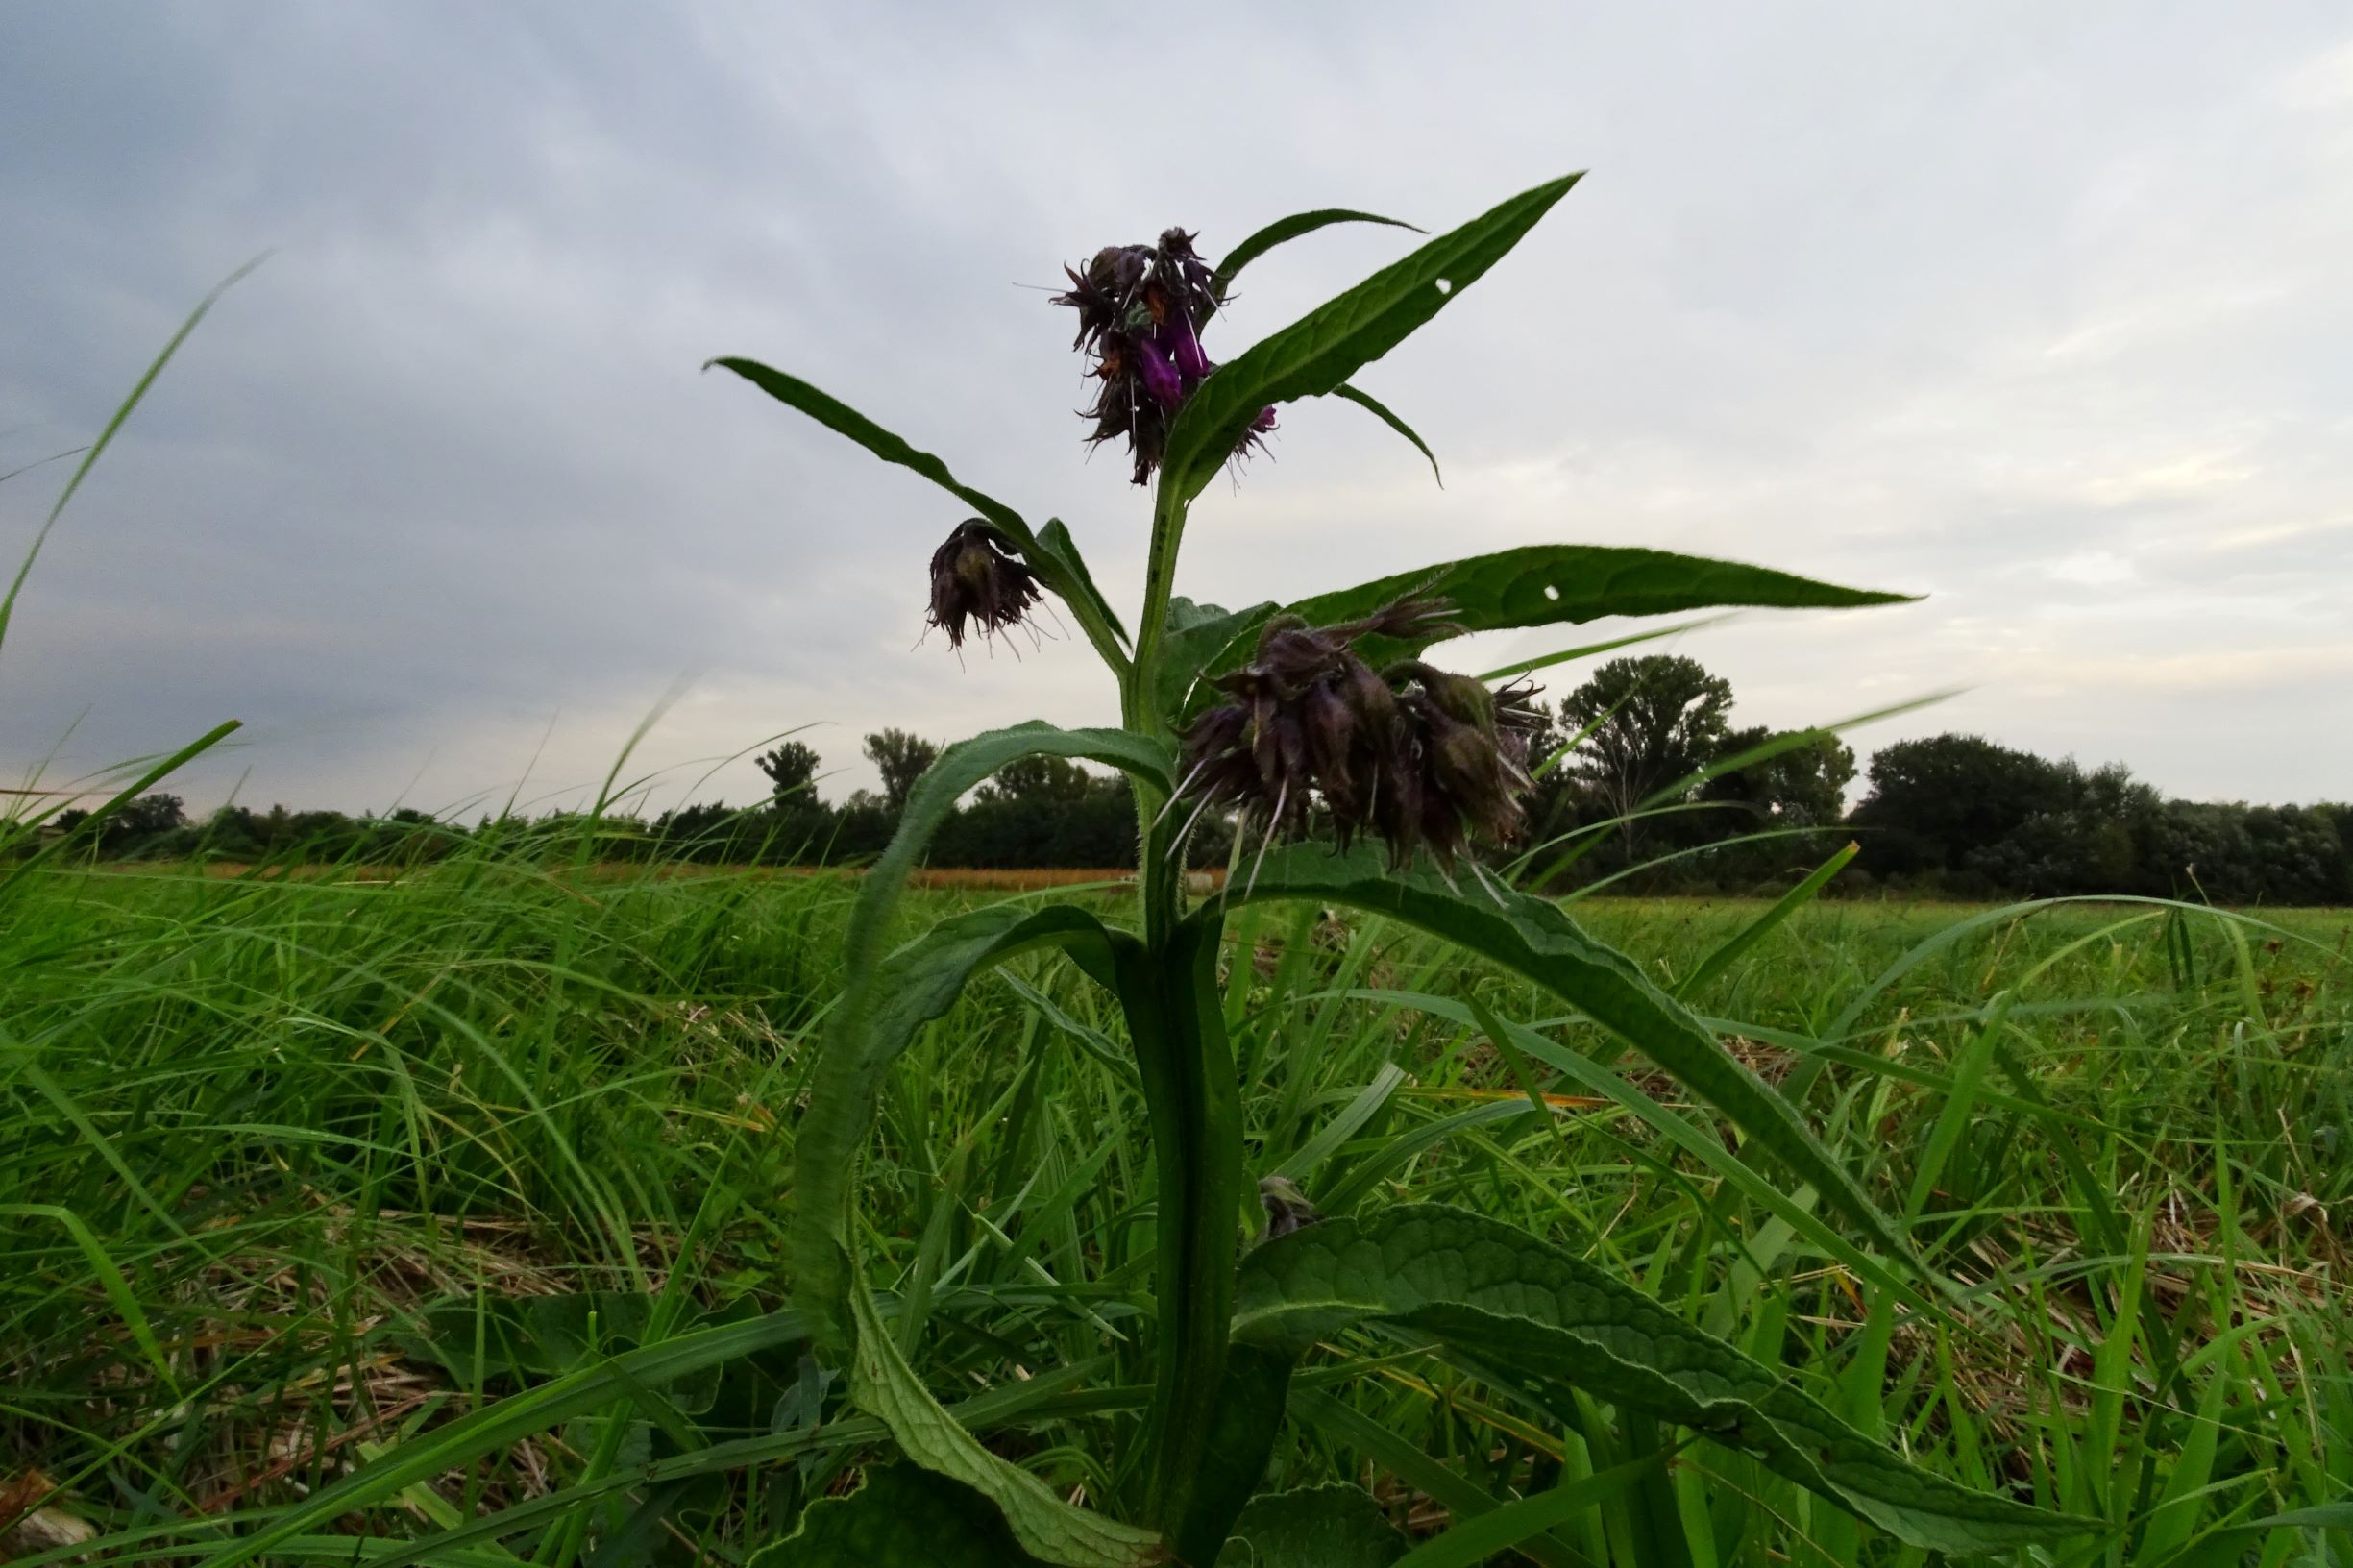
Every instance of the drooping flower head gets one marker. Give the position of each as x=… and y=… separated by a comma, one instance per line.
x=1140, y=312
x=1419, y=757
x=974, y=577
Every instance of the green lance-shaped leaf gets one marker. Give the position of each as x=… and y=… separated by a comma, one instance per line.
x=1315, y=354
x=1535, y=938
x=1337, y=1525
x=904, y=1516
x=1539, y=585
x=1514, y=1301
x=1252, y=1394
x=1387, y=416
x=874, y=1021
x=1059, y=562
x=891, y=1001
x=1051, y=554
x=1282, y=230
x=884, y=1002
x=1050, y=1530
x=958, y=769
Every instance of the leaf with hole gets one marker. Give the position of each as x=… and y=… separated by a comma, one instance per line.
x=1542, y=585
x=1317, y=353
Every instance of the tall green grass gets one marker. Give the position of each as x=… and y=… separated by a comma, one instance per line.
x=298, y=1172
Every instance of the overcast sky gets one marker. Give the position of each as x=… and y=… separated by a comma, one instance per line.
x=2042, y=312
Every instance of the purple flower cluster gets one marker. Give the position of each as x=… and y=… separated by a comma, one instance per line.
x=974, y=577
x=1141, y=312
x=1413, y=755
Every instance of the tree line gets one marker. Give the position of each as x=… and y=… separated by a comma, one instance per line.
x=1641, y=777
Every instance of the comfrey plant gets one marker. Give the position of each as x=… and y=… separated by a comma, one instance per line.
x=1325, y=713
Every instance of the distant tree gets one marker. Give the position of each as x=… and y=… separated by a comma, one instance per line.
x=699, y=832
x=901, y=759
x=1801, y=785
x=2094, y=843
x=791, y=769
x=1654, y=720
x=865, y=825
x=1043, y=781
x=2298, y=857
x=141, y=825
x=149, y=815
x=1935, y=802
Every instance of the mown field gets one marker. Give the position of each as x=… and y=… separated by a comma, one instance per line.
x=299, y=1177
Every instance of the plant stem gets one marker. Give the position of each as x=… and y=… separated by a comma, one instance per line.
x=1177, y=1021
x=1158, y=583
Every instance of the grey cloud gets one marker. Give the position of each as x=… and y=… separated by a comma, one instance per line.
x=2035, y=311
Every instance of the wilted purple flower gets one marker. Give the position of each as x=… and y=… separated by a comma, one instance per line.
x=973, y=578
x=1160, y=377
x=1141, y=310
x=1183, y=348
x=1418, y=756
x=1464, y=769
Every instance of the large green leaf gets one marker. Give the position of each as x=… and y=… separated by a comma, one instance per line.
x=1520, y=1305
x=1176, y=1024
x=896, y=998
x=891, y=1001
x=1317, y=353
x=958, y=769
x=903, y=1517
x=1337, y=1525
x=1283, y=230
x=1251, y=1399
x=1193, y=635
x=1064, y=564
x=1542, y=585
x=1054, y=1531
x=884, y=1002
x=1052, y=555
x=1537, y=939
x=1678, y=1134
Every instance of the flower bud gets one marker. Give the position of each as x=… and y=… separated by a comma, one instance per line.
x=974, y=579
x=1287, y=1209
x=1459, y=698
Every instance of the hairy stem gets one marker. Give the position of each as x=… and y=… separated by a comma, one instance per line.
x=1158, y=583
x=1177, y=1022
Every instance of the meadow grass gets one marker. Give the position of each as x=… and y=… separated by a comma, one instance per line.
x=296, y=1172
